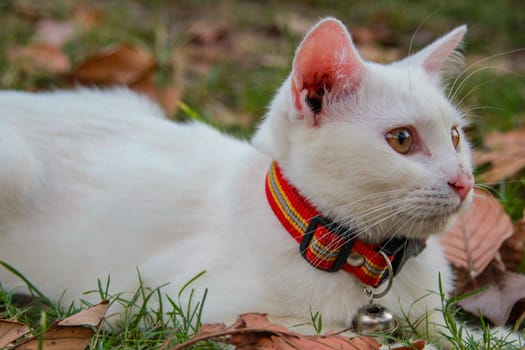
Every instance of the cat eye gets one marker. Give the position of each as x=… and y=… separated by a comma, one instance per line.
x=400, y=139
x=454, y=133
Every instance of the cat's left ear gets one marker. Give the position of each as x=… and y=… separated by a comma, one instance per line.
x=441, y=56
x=326, y=69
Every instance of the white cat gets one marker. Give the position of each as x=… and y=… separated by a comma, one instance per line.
x=97, y=183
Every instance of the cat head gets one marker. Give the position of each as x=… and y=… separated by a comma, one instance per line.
x=378, y=148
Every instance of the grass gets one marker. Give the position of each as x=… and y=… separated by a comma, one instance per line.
x=147, y=323
x=231, y=87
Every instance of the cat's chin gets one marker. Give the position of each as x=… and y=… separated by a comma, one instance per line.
x=439, y=223
x=434, y=218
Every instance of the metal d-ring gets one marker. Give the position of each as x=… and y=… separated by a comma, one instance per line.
x=373, y=295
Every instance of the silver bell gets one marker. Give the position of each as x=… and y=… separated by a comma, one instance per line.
x=374, y=319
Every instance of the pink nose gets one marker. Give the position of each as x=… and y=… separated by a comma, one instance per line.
x=462, y=185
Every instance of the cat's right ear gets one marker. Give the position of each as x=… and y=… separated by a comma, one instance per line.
x=442, y=56
x=326, y=68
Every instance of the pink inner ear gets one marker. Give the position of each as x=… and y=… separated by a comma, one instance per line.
x=438, y=53
x=325, y=62
x=435, y=61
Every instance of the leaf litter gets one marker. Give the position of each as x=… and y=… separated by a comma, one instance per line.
x=11, y=331
x=71, y=333
x=500, y=291
x=503, y=153
x=478, y=234
x=122, y=64
x=478, y=247
x=255, y=331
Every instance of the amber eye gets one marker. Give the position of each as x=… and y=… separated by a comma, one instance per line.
x=454, y=133
x=400, y=139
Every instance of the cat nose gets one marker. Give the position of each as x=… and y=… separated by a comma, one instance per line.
x=462, y=185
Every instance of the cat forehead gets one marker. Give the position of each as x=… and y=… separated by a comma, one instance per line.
x=407, y=95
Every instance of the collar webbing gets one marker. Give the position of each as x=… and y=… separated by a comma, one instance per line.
x=327, y=245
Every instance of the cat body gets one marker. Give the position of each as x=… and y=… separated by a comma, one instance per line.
x=154, y=219
x=97, y=183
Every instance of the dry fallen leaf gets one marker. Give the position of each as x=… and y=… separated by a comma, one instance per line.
x=136, y=68
x=120, y=65
x=72, y=333
x=504, y=152
x=254, y=331
x=513, y=249
x=72, y=338
x=11, y=331
x=504, y=290
x=92, y=316
x=39, y=57
x=477, y=236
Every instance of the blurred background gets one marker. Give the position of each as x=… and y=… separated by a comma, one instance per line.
x=224, y=59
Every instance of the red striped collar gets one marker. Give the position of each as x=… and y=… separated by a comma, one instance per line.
x=327, y=245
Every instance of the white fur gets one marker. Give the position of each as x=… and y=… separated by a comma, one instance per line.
x=97, y=183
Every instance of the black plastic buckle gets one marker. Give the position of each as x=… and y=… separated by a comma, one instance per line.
x=402, y=249
x=336, y=229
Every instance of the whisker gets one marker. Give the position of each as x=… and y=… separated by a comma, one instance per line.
x=377, y=195
x=470, y=92
x=360, y=231
x=413, y=38
x=452, y=94
x=485, y=59
x=475, y=108
x=373, y=209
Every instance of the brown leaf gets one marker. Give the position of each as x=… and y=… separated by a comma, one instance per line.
x=120, y=65
x=72, y=333
x=331, y=342
x=254, y=331
x=504, y=290
x=477, y=236
x=463, y=281
x=11, y=331
x=513, y=249
x=92, y=316
x=260, y=321
x=504, y=152
x=71, y=338
x=39, y=57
